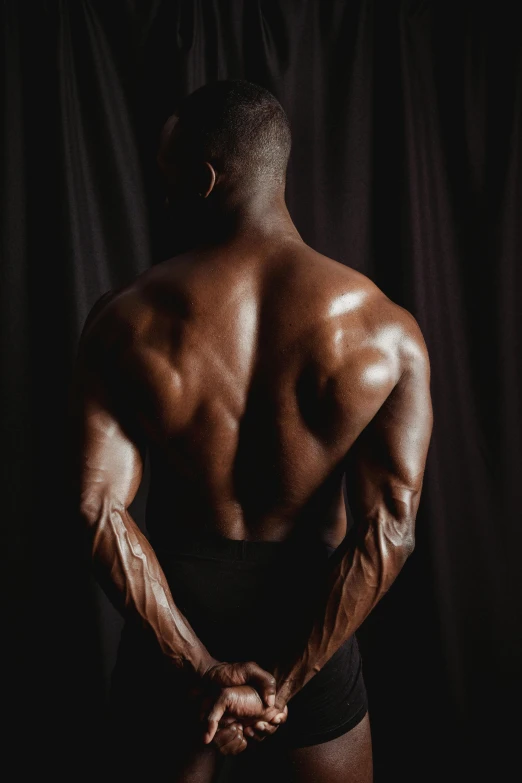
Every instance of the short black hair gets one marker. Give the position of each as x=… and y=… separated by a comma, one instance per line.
x=237, y=125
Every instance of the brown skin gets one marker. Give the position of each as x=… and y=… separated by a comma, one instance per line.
x=251, y=325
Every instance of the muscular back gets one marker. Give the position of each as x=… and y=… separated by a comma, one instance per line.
x=250, y=375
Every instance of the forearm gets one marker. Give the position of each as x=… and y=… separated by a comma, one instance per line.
x=354, y=585
x=127, y=568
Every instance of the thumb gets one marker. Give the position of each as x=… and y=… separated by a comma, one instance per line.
x=263, y=681
x=214, y=716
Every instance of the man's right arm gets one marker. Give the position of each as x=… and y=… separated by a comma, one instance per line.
x=107, y=454
x=385, y=469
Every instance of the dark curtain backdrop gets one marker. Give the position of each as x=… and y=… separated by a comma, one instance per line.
x=407, y=166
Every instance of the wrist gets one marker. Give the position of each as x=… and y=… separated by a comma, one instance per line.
x=202, y=664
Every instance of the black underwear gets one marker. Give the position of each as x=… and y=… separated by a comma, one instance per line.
x=246, y=600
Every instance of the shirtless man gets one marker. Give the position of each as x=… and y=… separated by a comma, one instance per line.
x=258, y=373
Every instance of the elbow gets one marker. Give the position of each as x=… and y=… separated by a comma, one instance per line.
x=404, y=534
x=400, y=520
x=400, y=551
x=400, y=537
x=89, y=513
x=408, y=544
x=93, y=509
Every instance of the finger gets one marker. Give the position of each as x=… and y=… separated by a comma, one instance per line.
x=213, y=719
x=227, y=720
x=265, y=728
x=236, y=744
x=258, y=736
x=229, y=740
x=225, y=735
x=206, y=704
x=239, y=747
x=263, y=681
x=231, y=748
x=261, y=730
x=276, y=715
x=280, y=717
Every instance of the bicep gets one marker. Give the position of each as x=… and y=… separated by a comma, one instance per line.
x=107, y=452
x=385, y=467
x=110, y=461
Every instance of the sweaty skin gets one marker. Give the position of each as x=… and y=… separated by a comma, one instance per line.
x=259, y=376
x=384, y=475
x=108, y=471
x=258, y=373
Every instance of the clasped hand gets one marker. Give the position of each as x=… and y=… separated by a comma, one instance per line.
x=239, y=700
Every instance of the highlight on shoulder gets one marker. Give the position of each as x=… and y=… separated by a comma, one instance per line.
x=357, y=304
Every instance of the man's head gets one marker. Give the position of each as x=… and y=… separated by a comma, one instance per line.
x=231, y=136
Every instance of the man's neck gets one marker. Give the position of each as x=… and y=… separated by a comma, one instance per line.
x=261, y=216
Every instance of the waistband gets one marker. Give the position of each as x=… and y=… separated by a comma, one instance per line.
x=216, y=547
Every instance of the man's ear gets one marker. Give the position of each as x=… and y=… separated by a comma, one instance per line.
x=208, y=180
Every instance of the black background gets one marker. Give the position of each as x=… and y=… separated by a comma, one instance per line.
x=407, y=166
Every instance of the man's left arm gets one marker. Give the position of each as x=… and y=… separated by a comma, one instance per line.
x=385, y=470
